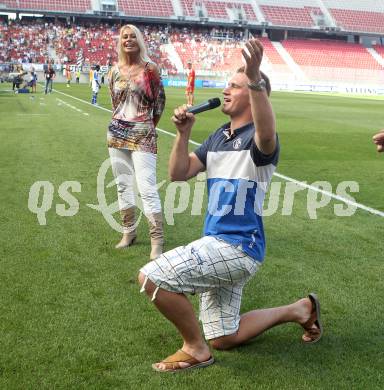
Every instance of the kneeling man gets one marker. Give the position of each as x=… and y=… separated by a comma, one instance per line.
x=239, y=159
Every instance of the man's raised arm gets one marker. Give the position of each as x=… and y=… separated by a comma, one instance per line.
x=262, y=113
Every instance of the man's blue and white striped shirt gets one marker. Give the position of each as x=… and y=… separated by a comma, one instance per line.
x=238, y=175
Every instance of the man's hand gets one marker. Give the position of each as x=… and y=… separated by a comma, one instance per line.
x=253, y=55
x=378, y=139
x=183, y=120
x=182, y=164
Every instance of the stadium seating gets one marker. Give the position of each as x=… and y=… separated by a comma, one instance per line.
x=350, y=15
x=158, y=8
x=333, y=61
x=212, y=51
x=379, y=49
x=50, y=5
x=249, y=12
x=288, y=16
x=273, y=64
x=295, y=13
x=23, y=42
x=330, y=54
x=29, y=42
x=220, y=9
x=364, y=21
x=357, y=15
x=210, y=55
x=188, y=7
x=97, y=44
x=223, y=56
x=269, y=50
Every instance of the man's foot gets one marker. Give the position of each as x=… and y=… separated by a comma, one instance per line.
x=309, y=318
x=181, y=361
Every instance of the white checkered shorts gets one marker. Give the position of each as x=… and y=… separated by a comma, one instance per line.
x=212, y=268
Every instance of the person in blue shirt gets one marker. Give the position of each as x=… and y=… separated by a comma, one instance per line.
x=95, y=84
x=239, y=160
x=33, y=80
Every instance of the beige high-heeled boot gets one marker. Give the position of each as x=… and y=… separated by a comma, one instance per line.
x=129, y=230
x=155, y=222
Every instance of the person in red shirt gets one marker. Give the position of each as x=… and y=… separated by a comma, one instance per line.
x=190, y=84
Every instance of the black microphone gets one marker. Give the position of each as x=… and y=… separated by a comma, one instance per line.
x=208, y=105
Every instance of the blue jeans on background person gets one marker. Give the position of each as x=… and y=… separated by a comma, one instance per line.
x=48, y=85
x=94, y=98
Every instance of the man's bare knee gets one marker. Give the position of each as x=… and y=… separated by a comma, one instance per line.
x=146, y=285
x=141, y=278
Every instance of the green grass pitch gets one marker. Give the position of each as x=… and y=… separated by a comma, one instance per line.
x=71, y=315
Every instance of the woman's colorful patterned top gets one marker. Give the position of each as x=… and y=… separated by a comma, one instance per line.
x=135, y=102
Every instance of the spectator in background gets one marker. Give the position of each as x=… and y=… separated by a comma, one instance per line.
x=90, y=76
x=190, y=90
x=49, y=74
x=33, y=80
x=95, y=84
x=18, y=79
x=68, y=75
x=378, y=140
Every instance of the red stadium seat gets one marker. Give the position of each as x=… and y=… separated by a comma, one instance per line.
x=271, y=53
x=218, y=9
x=159, y=8
x=330, y=54
x=50, y=5
x=338, y=62
x=290, y=16
x=364, y=21
x=379, y=49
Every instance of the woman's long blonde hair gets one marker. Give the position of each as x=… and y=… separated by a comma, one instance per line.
x=140, y=41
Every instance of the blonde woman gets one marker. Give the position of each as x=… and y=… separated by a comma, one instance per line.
x=138, y=101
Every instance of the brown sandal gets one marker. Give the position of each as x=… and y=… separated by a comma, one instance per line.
x=172, y=362
x=313, y=333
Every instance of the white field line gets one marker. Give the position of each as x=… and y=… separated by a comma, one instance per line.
x=30, y=114
x=62, y=102
x=286, y=178
x=332, y=195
